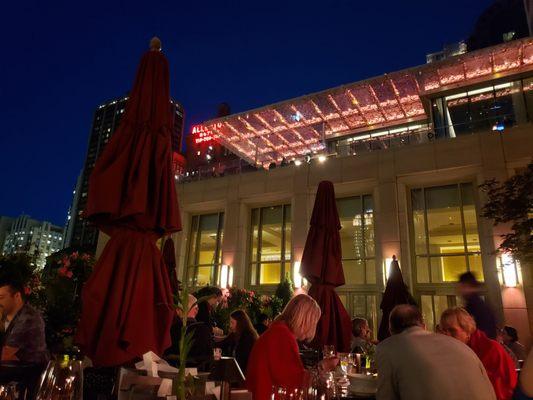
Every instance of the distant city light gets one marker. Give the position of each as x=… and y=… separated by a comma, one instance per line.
x=498, y=127
x=297, y=162
x=322, y=158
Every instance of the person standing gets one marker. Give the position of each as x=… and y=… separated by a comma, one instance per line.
x=24, y=338
x=415, y=364
x=470, y=290
x=210, y=297
x=459, y=324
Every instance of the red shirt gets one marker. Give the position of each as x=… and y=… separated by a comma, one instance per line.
x=499, y=365
x=274, y=361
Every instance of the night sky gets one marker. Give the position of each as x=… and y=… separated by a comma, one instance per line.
x=61, y=60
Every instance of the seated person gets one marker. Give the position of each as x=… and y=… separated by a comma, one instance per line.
x=415, y=364
x=262, y=324
x=24, y=338
x=201, y=349
x=241, y=339
x=510, y=339
x=361, y=340
x=459, y=324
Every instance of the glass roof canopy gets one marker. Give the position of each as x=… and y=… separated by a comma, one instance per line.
x=296, y=127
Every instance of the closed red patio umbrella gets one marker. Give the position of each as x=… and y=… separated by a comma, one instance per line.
x=127, y=301
x=322, y=266
x=396, y=292
x=169, y=256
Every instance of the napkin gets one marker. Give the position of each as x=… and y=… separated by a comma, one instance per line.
x=152, y=363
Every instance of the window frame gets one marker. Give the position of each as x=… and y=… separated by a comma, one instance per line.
x=194, y=228
x=254, y=267
x=364, y=259
x=427, y=255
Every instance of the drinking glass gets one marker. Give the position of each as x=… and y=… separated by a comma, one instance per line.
x=344, y=360
x=286, y=393
x=62, y=380
x=8, y=392
x=329, y=351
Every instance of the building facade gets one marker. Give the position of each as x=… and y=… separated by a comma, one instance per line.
x=80, y=233
x=5, y=226
x=37, y=239
x=406, y=153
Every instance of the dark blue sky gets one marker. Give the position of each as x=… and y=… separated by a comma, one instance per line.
x=61, y=59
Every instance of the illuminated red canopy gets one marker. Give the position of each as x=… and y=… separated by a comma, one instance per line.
x=299, y=126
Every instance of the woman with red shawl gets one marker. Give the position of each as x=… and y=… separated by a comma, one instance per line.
x=275, y=358
x=456, y=322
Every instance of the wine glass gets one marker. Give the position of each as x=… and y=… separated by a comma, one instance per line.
x=285, y=393
x=344, y=361
x=62, y=380
x=328, y=351
x=8, y=392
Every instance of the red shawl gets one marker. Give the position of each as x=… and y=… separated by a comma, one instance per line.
x=499, y=365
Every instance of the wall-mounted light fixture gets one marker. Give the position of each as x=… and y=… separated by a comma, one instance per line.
x=509, y=271
x=226, y=276
x=386, y=267
x=297, y=278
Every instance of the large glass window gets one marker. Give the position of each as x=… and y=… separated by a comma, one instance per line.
x=362, y=305
x=204, y=255
x=270, y=244
x=357, y=239
x=432, y=307
x=490, y=108
x=446, y=240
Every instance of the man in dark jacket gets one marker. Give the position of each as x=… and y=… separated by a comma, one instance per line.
x=201, y=350
x=211, y=296
x=470, y=290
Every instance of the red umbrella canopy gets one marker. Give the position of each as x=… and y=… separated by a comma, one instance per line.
x=169, y=256
x=322, y=258
x=396, y=292
x=127, y=302
x=322, y=266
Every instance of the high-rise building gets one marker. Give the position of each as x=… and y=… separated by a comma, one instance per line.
x=448, y=51
x=38, y=239
x=5, y=227
x=80, y=234
x=502, y=21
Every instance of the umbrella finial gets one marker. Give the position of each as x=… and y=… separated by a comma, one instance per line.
x=155, y=44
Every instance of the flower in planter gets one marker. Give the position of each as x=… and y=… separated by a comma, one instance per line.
x=65, y=272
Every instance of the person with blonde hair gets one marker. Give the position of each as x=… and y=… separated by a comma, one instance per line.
x=459, y=324
x=275, y=358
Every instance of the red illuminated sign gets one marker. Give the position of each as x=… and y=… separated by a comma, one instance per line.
x=202, y=134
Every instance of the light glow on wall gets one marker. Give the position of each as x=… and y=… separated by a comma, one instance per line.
x=297, y=278
x=226, y=276
x=510, y=269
